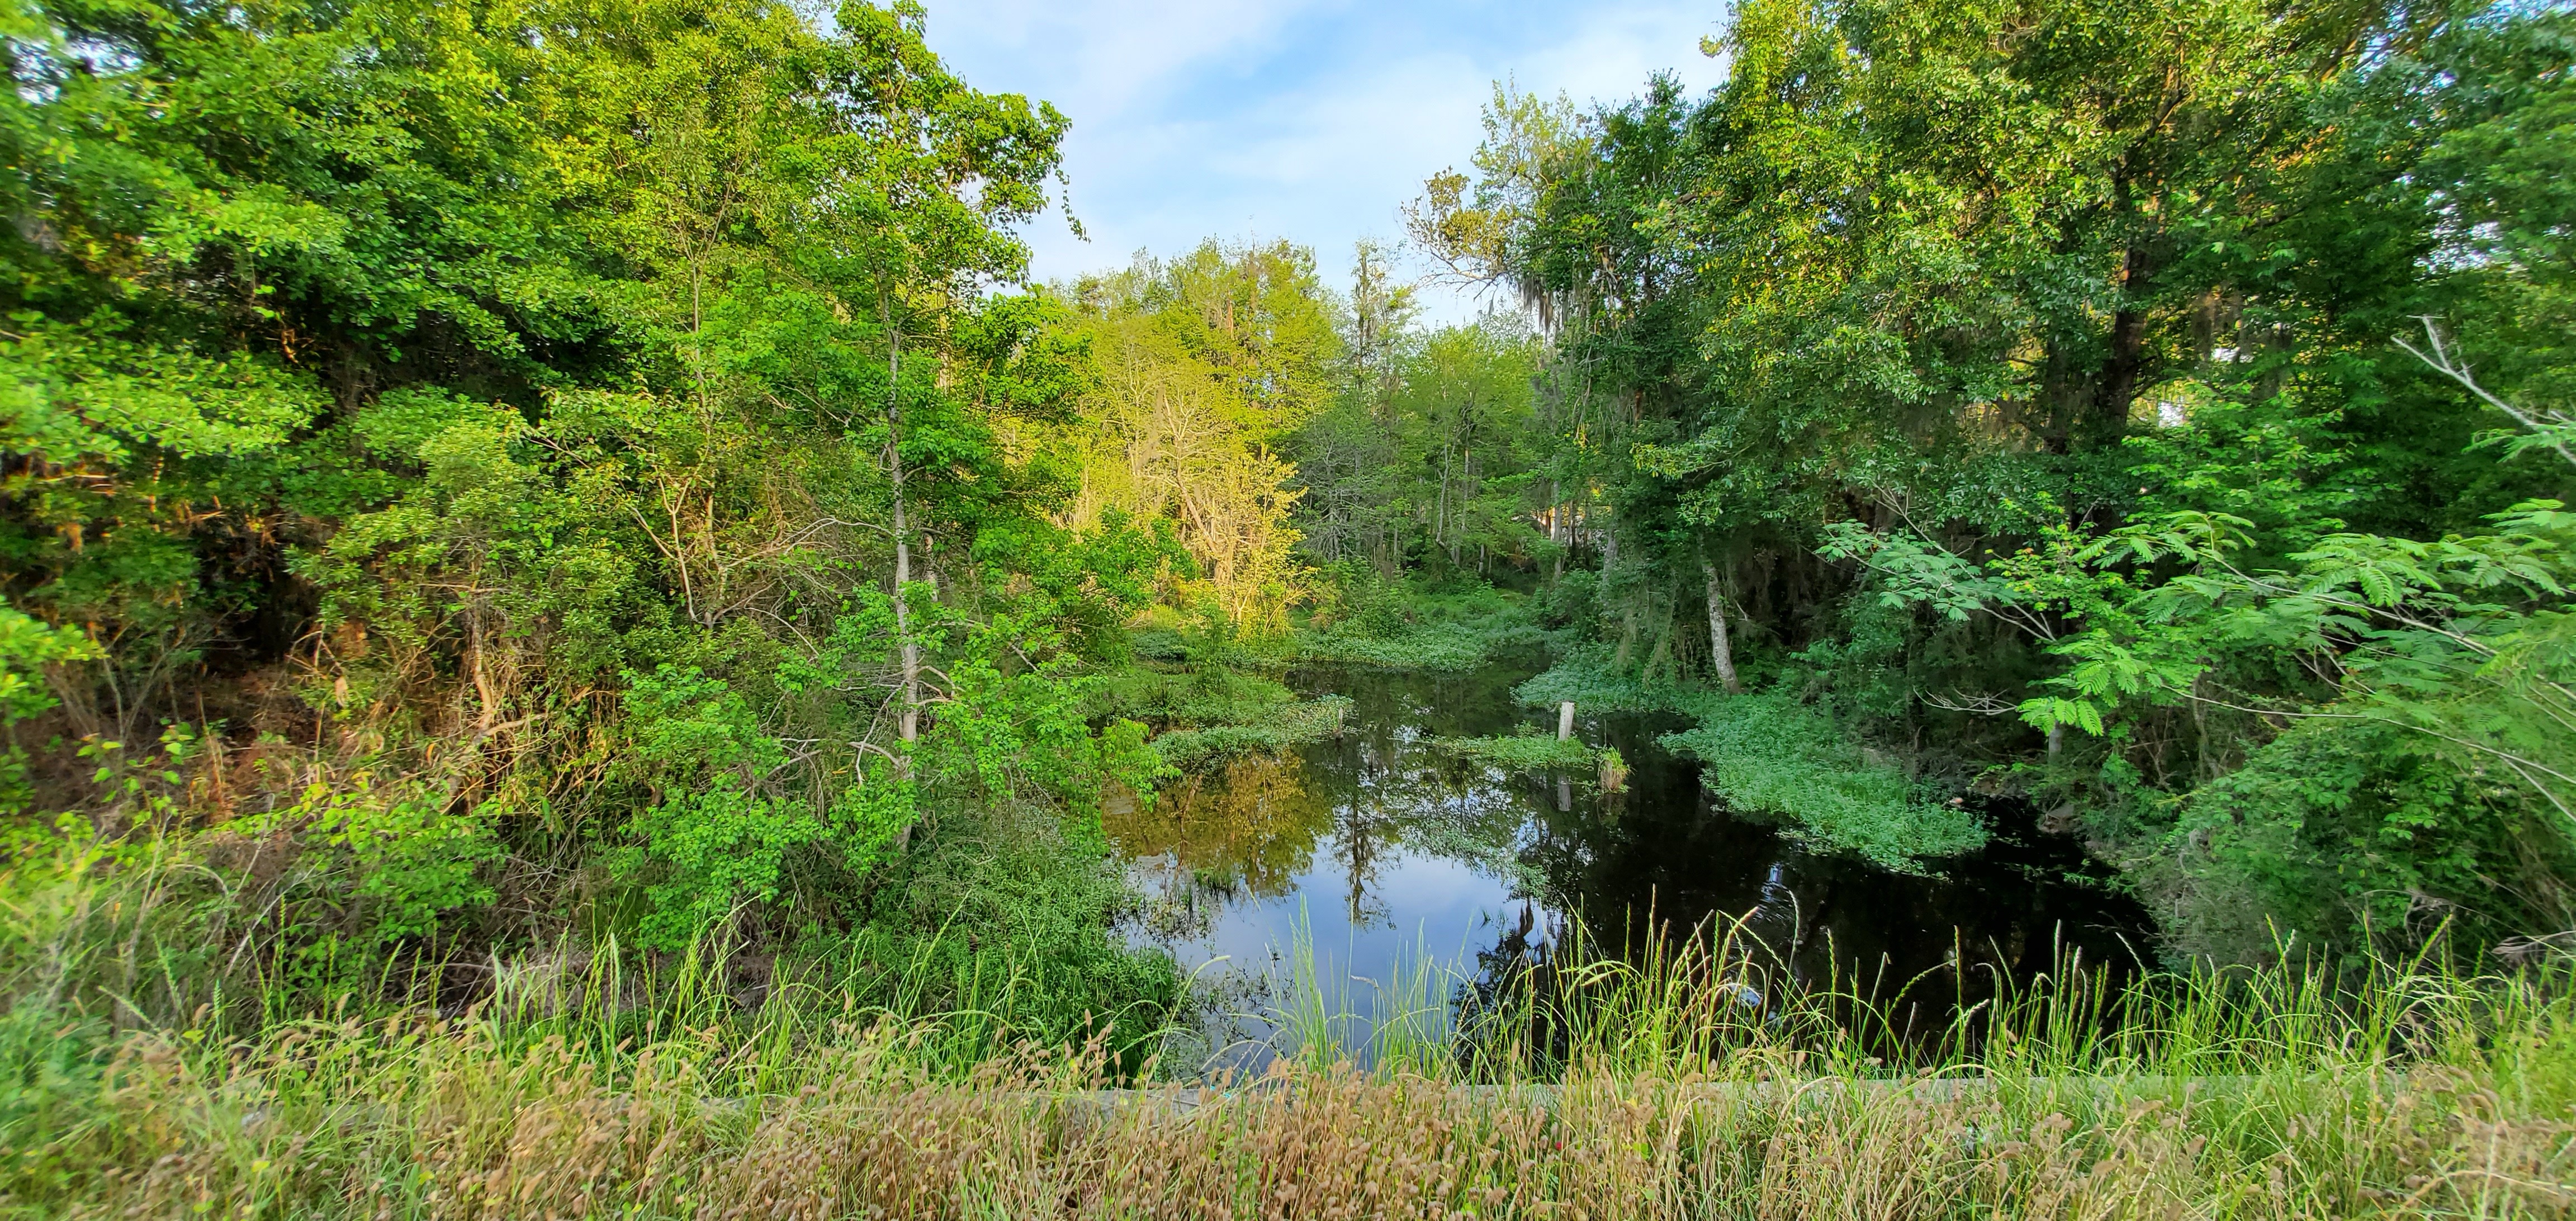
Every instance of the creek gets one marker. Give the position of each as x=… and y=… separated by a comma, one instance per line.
x=1379, y=854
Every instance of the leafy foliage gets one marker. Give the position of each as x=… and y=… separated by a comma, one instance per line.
x=2153, y=410
x=565, y=455
x=1769, y=756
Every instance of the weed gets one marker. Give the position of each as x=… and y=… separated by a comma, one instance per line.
x=2423, y=1093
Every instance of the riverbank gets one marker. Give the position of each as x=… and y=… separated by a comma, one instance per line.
x=2420, y=1095
x=1446, y=823
x=1700, y=1075
x=1683, y=1081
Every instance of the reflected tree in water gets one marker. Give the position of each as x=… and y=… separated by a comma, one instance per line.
x=1253, y=827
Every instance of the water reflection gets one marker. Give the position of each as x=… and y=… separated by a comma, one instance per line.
x=1249, y=829
x=1383, y=850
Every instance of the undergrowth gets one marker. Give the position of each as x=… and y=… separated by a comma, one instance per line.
x=1206, y=696
x=1283, y=728
x=1770, y=756
x=1404, y=625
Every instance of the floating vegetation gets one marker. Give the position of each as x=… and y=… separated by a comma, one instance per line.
x=1284, y=728
x=1522, y=752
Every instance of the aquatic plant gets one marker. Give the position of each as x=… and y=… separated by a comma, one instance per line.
x=1771, y=757
x=1283, y=728
x=1445, y=646
x=1521, y=752
x=1613, y=770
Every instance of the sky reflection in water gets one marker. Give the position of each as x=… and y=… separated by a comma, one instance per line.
x=1389, y=851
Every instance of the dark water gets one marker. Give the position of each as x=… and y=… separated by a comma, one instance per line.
x=1386, y=853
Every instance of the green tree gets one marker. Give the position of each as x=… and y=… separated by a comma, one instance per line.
x=551, y=434
x=1205, y=364
x=1962, y=362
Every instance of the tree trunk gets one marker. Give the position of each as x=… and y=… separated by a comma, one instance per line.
x=908, y=724
x=1721, y=651
x=485, y=693
x=1440, y=509
x=1557, y=532
x=1466, y=470
x=2127, y=359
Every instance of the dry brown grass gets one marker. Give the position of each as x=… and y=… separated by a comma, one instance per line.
x=442, y=1122
x=588, y=1091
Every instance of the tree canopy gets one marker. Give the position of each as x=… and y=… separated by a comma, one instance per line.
x=2042, y=390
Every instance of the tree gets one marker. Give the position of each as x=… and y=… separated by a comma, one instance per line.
x=1966, y=360
x=1205, y=364
x=539, y=421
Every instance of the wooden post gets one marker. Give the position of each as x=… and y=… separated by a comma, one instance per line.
x=1565, y=720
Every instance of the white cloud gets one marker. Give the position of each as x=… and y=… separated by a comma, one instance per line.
x=1306, y=119
x=1106, y=59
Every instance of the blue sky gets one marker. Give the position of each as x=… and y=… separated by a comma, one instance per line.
x=1305, y=119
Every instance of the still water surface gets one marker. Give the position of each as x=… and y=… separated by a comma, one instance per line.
x=1387, y=853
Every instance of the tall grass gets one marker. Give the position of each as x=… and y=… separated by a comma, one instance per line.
x=1683, y=1077
x=1321, y=1021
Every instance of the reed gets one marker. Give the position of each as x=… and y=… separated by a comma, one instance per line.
x=1679, y=1077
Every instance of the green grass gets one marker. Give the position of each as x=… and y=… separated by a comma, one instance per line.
x=993, y=1051
x=1682, y=1077
x=1522, y=752
x=1676, y=1079
x=1285, y=727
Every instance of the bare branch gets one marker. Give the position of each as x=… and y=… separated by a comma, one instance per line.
x=2446, y=364
x=1977, y=703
